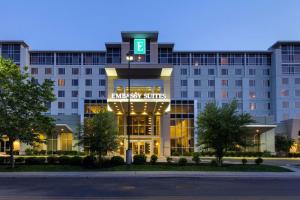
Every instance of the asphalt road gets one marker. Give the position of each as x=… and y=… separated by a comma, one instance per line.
x=150, y=188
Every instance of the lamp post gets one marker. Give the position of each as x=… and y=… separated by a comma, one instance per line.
x=129, y=58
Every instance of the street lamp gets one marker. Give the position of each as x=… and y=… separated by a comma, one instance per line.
x=129, y=58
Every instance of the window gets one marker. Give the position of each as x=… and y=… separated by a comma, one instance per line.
x=11, y=51
x=197, y=71
x=252, y=83
x=41, y=58
x=61, y=82
x=183, y=71
x=34, y=71
x=211, y=71
x=238, y=83
x=204, y=59
x=88, y=71
x=74, y=105
x=35, y=81
x=183, y=94
x=88, y=93
x=252, y=72
x=266, y=72
x=66, y=141
x=102, y=94
x=102, y=82
x=297, y=81
x=240, y=106
x=252, y=95
x=88, y=82
x=68, y=58
x=74, y=82
x=183, y=82
x=252, y=106
x=197, y=94
x=75, y=71
x=238, y=71
x=284, y=92
x=113, y=55
x=285, y=81
x=74, y=93
x=197, y=82
x=224, y=94
x=211, y=82
x=224, y=71
x=224, y=82
x=231, y=59
x=297, y=104
x=61, y=93
x=285, y=104
x=94, y=58
x=266, y=83
x=297, y=93
x=102, y=71
x=61, y=71
x=211, y=94
x=239, y=94
x=48, y=71
x=61, y=105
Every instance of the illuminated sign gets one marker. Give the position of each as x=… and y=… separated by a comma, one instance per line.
x=137, y=95
x=139, y=46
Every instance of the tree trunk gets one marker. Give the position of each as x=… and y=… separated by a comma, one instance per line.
x=11, y=152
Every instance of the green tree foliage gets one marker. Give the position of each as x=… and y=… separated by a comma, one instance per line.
x=100, y=134
x=283, y=143
x=22, y=103
x=222, y=128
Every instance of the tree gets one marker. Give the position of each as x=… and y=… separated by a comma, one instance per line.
x=22, y=103
x=222, y=128
x=100, y=134
x=283, y=143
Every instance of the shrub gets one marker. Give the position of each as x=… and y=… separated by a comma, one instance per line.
x=244, y=161
x=52, y=160
x=139, y=159
x=29, y=152
x=89, y=161
x=295, y=155
x=3, y=160
x=182, y=161
x=35, y=160
x=169, y=160
x=117, y=160
x=75, y=160
x=64, y=160
x=175, y=153
x=104, y=162
x=153, y=159
x=42, y=152
x=213, y=162
x=259, y=160
x=19, y=160
x=196, y=157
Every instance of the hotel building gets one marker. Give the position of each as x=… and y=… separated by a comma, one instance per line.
x=169, y=88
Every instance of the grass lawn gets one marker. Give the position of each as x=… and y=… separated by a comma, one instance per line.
x=147, y=167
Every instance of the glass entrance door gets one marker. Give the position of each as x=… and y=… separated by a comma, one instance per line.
x=141, y=147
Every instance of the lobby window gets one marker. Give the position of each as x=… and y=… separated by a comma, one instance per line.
x=224, y=83
x=297, y=81
x=252, y=95
x=252, y=72
x=252, y=106
x=66, y=140
x=61, y=82
x=11, y=51
x=88, y=93
x=74, y=93
x=238, y=71
x=183, y=94
x=102, y=94
x=238, y=83
x=183, y=82
x=68, y=58
x=197, y=94
x=224, y=94
x=75, y=71
x=197, y=82
x=39, y=58
x=284, y=92
x=94, y=58
x=102, y=82
x=224, y=72
x=34, y=70
x=239, y=94
x=252, y=83
x=88, y=82
x=297, y=93
x=285, y=81
x=211, y=94
x=75, y=82
x=48, y=71
x=61, y=71
x=197, y=71
x=102, y=71
x=211, y=71
x=183, y=71
x=88, y=71
x=74, y=105
x=211, y=83
x=61, y=105
x=61, y=93
x=285, y=104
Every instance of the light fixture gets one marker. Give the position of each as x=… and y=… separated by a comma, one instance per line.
x=129, y=57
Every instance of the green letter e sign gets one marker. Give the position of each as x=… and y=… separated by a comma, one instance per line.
x=139, y=46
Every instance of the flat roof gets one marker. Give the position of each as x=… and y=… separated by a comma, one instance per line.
x=152, y=35
x=280, y=42
x=22, y=42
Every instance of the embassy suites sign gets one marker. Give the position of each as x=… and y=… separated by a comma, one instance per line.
x=137, y=95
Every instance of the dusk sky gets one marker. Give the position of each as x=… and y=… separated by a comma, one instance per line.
x=190, y=24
